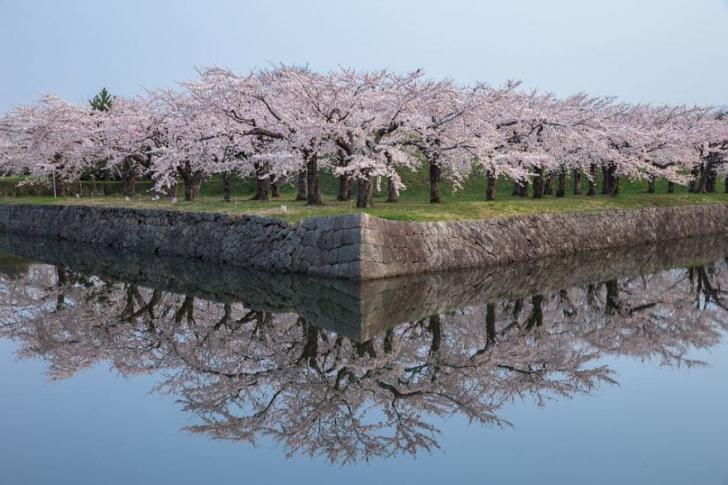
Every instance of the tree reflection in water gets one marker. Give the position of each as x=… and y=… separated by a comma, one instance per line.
x=356, y=371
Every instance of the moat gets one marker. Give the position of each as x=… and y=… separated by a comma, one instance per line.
x=601, y=367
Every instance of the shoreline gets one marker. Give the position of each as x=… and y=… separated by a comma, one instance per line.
x=359, y=246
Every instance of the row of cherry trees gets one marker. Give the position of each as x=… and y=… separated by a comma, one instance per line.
x=288, y=124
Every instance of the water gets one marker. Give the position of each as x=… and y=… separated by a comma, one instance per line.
x=608, y=367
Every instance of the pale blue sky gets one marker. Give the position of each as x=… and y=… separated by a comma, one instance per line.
x=640, y=50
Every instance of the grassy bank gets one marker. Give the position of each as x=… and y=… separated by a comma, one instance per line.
x=413, y=205
x=467, y=203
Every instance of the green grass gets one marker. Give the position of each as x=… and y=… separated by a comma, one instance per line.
x=464, y=204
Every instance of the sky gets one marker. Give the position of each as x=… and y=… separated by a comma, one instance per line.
x=658, y=51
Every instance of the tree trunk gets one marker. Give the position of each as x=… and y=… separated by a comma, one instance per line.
x=128, y=176
x=694, y=182
x=516, y=312
x=726, y=184
x=56, y=179
x=364, y=192
x=62, y=280
x=197, y=185
x=612, y=305
x=592, y=190
x=614, y=186
x=310, y=348
x=392, y=195
x=189, y=195
x=129, y=185
x=106, y=185
x=226, y=185
x=538, y=184
x=670, y=187
x=275, y=188
x=262, y=183
x=344, y=187
x=712, y=183
x=704, y=176
x=577, y=181
x=650, y=184
x=435, y=175
x=193, y=182
x=611, y=180
x=262, y=187
x=435, y=328
x=313, y=195
x=520, y=188
x=490, y=187
x=59, y=188
x=535, y=319
x=302, y=185
x=490, y=323
x=591, y=295
x=548, y=187
x=561, y=184
x=605, y=180
x=344, y=179
x=712, y=178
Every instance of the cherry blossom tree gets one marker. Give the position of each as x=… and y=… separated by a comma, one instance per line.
x=51, y=141
x=442, y=132
x=124, y=139
x=262, y=108
x=371, y=136
x=706, y=136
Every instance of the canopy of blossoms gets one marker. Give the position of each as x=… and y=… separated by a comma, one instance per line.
x=288, y=123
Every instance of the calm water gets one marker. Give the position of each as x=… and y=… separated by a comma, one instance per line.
x=604, y=368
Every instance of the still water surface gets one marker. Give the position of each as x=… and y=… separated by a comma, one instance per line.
x=610, y=367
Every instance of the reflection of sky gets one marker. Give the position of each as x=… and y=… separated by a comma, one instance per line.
x=660, y=425
x=647, y=50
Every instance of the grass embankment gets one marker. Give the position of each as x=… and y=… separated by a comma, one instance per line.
x=465, y=204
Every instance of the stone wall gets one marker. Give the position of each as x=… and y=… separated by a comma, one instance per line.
x=324, y=246
x=358, y=246
x=391, y=248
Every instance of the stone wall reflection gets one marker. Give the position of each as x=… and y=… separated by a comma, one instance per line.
x=356, y=371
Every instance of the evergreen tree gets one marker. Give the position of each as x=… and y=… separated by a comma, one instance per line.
x=102, y=101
